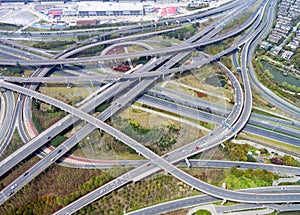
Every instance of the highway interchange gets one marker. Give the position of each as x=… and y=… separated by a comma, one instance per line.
x=140, y=81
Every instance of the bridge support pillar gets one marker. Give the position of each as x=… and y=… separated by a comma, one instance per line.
x=187, y=163
x=223, y=202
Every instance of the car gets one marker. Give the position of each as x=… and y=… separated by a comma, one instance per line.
x=26, y=173
x=197, y=147
x=59, y=151
x=13, y=186
x=283, y=188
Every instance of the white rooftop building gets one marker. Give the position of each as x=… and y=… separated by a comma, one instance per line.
x=110, y=9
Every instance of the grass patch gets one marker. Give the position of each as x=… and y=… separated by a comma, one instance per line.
x=240, y=179
x=265, y=113
x=203, y=212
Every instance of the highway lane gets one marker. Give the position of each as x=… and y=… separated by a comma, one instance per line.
x=272, y=123
x=163, y=164
x=64, y=54
x=178, y=172
x=19, y=124
x=82, y=199
x=266, y=93
x=8, y=125
x=9, y=105
x=170, y=65
x=19, y=53
x=24, y=47
x=129, y=55
x=215, y=119
x=53, y=130
x=194, y=163
x=204, y=199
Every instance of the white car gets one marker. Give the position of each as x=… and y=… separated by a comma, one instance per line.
x=13, y=186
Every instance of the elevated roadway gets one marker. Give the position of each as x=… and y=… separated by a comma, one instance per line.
x=156, y=159
x=35, y=144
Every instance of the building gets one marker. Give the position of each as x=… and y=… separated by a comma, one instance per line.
x=276, y=50
x=265, y=45
x=287, y=55
x=293, y=44
x=55, y=12
x=109, y=9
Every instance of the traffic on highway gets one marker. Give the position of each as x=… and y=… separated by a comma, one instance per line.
x=142, y=89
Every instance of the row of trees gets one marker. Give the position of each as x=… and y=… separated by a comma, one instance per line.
x=53, y=189
x=141, y=194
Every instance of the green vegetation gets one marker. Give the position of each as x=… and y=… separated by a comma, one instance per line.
x=59, y=139
x=296, y=59
x=18, y=170
x=102, y=107
x=158, y=139
x=99, y=144
x=12, y=70
x=203, y=212
x=14, y=144
x=8, y=27
x=144, y=193
x=289, y=183
x=238, y=179
x=238, y=152
x=218, y=47
x=264, y=113
x=53, y=44
x=265, y=77
x=55, y=188
x=90, y=51
x=290, y=161
x=183, y=33
x=235, y=23
x=43, y=117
